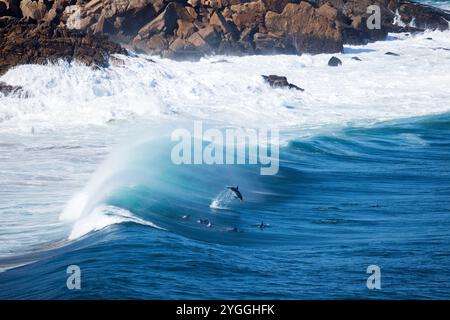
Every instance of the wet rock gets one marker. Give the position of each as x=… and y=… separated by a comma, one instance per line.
x=389, y=53
x=334, y=62
x=272, y=44
x=280, y=82
x=423, y=16
x=6, y=89
x=24, y=42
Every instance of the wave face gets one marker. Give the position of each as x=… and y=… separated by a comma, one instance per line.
x=86, y=177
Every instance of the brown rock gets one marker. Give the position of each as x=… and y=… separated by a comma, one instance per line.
x=272, y=44
x=191, y=11
x=178, y=45
x=218, y=20
x=199, y=43
x=165, y=23
x=155, y=44
x=210, y=36
x=24, y=42
x=310, y=29
x=280, y=82
x=185, y=29
x=33, y=9
x=278, y=5
x=249, y=15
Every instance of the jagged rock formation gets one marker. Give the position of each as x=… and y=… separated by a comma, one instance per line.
x=35, y=35
x=33, y=30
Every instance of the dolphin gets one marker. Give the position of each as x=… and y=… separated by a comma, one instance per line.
x=236, y=192
x=203, y=221
x=262, y=225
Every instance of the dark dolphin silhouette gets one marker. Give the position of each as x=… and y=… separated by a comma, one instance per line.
x=262, y=225
x=236, y=192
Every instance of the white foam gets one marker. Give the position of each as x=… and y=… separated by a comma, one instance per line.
x=378, y=88
x=102, y=217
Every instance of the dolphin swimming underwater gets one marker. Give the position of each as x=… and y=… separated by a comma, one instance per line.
x=236, y=192
x=262, y=225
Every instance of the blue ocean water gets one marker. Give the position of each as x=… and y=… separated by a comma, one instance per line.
x=373, y=195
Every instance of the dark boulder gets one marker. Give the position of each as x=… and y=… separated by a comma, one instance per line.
x=6, y=89
x=389, y=53
x=280, y=82
x=334, y=62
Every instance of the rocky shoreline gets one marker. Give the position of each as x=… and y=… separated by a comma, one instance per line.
x=37, y=31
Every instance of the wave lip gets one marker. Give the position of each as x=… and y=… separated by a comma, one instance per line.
x=104, y=216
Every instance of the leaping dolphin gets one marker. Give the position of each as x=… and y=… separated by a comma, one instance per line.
x=236, y=192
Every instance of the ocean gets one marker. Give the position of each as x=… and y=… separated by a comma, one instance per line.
x=87, y=178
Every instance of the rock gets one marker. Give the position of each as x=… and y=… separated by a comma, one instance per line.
x=6, y=21
x=35, y=10
x=356, y=58
x=198, y=43
x=6, y=89
x=277, y=5
x=280, y=82
x=220, y=61
x=185, y=29
x=152, y=44
x=227, y=27
x=392, y=54
x=249, y=15
x=423, y=16
x=334, y=62
x=166, y=22
x=210, y=35
x=441, y=48
x=310, y=29
x=12, y=8
x=25, y=42
x=3, y=9
x=272, y=44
